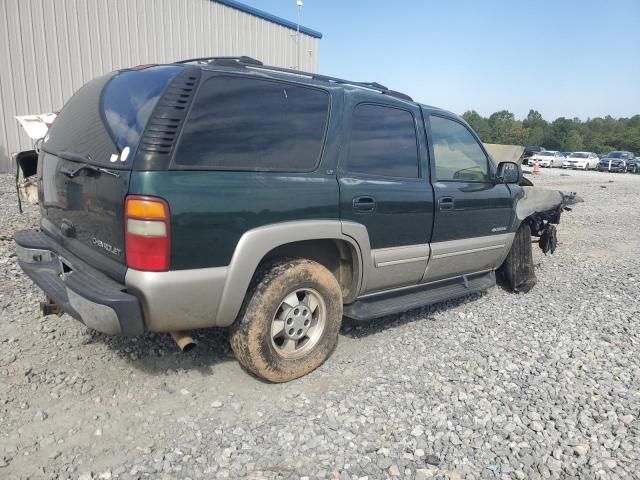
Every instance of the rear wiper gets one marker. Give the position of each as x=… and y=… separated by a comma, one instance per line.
x=74, y=157
x=78, y=157
x=72, y=172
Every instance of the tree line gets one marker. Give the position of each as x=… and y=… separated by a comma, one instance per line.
x=600, y=135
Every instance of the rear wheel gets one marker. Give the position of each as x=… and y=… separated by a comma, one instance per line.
x=289, y=323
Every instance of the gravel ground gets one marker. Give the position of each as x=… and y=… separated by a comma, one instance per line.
x=541, y=385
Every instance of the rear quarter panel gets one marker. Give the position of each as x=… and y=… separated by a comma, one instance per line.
x=211, y=210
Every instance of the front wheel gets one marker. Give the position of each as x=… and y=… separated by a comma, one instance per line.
x=517, y=269
x=289, y=323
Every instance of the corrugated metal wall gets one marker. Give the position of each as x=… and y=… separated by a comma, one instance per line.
x=50, y=48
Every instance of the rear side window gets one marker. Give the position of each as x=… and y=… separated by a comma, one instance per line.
x=383, y=142
x=129, y=99
x=241, y=123
x=458, y=156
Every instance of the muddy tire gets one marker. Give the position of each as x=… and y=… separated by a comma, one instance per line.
x=517, y=270
x=289, y=322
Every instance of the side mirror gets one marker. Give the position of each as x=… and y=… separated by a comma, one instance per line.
x=509, y=172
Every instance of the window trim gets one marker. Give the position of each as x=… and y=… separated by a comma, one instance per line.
x=217, y=74
x=490, y=165
x=344, y=167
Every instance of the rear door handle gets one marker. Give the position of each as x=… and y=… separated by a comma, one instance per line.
x=446, y=203
x=364, y=204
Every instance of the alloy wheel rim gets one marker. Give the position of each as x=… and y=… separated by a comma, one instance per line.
x=298, y=323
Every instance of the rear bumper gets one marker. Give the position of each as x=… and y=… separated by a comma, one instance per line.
x=83, y=292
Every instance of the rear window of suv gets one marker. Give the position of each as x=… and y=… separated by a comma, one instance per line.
x=239, y=123
x=129, y=99
x=108, y=114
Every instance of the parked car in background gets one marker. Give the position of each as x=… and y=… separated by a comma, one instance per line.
x=616, y=161
x=633, y=165
x=528, y=153
x=548, y=158
x=566, y=154
x=581, y=160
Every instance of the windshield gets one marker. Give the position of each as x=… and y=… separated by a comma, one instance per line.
x=616, y=155
x=579, y=155
x=546, y=154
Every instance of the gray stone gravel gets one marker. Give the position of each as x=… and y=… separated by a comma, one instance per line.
x=542, y=385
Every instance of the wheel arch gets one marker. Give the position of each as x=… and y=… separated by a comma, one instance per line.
x=320, y=240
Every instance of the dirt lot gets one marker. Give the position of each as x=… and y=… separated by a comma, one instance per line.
x=542, y=385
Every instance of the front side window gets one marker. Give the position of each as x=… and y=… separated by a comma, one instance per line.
x=458, y=156
x=239, y=123
x=383, y=142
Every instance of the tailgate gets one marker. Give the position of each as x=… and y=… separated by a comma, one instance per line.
x=85, y=211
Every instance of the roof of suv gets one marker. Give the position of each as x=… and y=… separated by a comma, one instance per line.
x=248, y=64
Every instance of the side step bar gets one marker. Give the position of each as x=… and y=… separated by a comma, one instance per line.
x=420, y=296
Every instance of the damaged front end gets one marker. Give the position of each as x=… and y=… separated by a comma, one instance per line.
x=541, y=209
x=538, y=212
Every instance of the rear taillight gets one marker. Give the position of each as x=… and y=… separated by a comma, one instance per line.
x=147, y=234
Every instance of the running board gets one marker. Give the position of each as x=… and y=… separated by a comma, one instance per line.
x=420, y=296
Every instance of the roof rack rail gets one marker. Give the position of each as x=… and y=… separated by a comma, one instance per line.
x=244, y=61
x=317, y=76
x=234, y=61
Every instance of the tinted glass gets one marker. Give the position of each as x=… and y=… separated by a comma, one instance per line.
x=246, y=124
x=79, y=129
x=579, y=155
x=129, y=99
x=458, y=155
x=383, y=142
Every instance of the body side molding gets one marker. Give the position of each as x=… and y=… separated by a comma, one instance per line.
x=178, y=299
x=397, y=266
x=457, y=257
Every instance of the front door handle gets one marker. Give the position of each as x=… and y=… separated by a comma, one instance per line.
x=446, y=203
x=364, y=204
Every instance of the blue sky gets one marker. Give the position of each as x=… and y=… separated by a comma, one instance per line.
x=571, y=58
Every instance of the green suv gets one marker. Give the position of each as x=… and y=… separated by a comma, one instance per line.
x=221, y=192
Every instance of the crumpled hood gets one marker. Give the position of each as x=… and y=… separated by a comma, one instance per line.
x=535, y=199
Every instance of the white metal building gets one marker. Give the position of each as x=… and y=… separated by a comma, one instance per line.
x=50, y=48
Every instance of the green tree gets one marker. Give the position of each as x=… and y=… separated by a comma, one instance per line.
x=479, y=124
x=573, y=142
x=500, y=124
x=535, y=127
x=599, y=135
